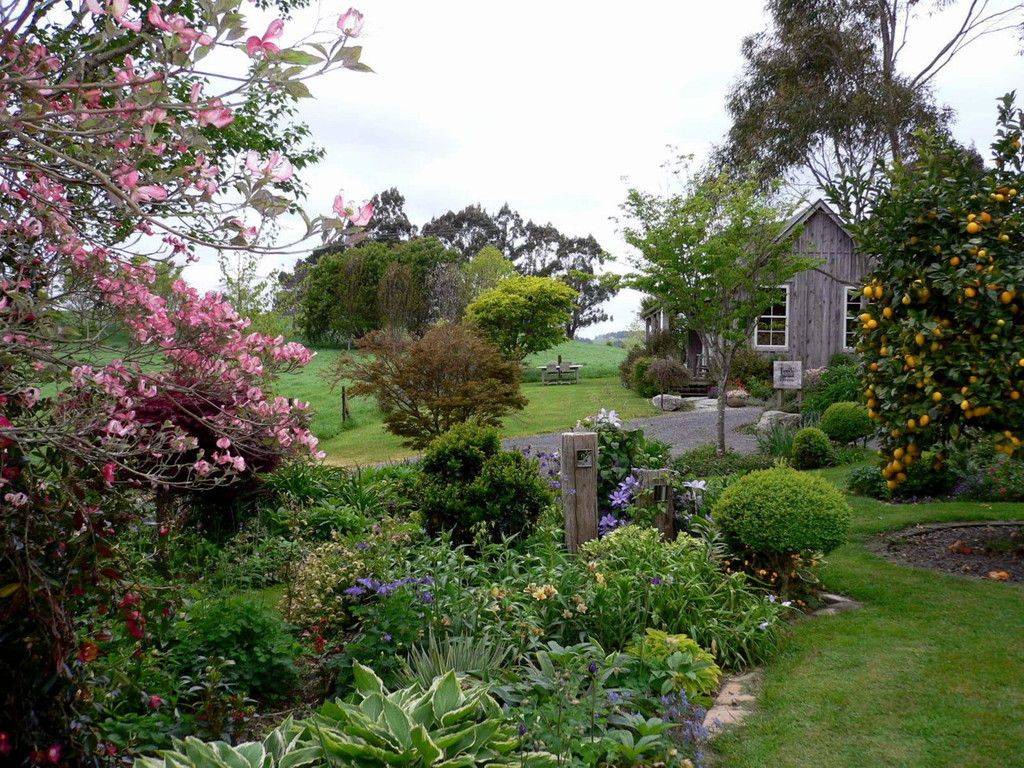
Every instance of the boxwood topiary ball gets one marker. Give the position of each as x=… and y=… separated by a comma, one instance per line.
x=780, y=510
x=846, y=421
x=811, y=449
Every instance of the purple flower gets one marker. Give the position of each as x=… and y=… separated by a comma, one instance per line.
x=592, y=667
x=657, y=581
x=607, y=524
x=355, y=591
x=387, y=637
x=623, y=495
x=427, y=596
x=362, y=545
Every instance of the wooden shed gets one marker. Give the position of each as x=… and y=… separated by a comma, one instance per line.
x=816, y=316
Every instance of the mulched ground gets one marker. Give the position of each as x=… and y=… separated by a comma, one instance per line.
x=985, y=550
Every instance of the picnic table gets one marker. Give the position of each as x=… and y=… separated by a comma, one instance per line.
x=560, y=373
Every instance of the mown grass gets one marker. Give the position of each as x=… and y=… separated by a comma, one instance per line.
x=929, y=673
x=363, y=439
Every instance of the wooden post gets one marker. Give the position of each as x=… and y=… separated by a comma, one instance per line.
x=579, y=487
x=657, y=484
x=344, y=405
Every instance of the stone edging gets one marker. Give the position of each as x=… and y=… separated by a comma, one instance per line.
x=737, y=697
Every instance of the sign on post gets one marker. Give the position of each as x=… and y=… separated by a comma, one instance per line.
x=788, y=374
x=579, y=487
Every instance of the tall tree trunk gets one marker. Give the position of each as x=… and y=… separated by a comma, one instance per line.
x=722, y=385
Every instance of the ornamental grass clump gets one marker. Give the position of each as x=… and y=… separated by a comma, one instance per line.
x=777, y=515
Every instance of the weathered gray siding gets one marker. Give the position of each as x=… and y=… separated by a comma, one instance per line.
x=817, y=297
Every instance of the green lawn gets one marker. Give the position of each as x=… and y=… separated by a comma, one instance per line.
x=363, y=440
x=930, y=672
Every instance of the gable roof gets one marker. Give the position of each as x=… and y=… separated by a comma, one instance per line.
x=801, y=217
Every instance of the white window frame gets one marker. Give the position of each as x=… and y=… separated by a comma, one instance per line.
x=774, y=347
x=846, y=314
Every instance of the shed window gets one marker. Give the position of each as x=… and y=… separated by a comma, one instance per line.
x=853, y=306
x=772, y=328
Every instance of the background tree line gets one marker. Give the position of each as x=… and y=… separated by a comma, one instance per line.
x=405, y=277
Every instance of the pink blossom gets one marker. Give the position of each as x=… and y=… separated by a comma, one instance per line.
x=16, y=499
x=351, y=22
x=155, y=702
x=215, y=114
x=362, y=218
x=202, y=468
x=263, y=44
x=224, y=443
x=108, y=472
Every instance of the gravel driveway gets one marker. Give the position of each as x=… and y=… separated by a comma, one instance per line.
x=681, y=430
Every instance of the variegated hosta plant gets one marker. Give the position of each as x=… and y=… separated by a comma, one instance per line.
x=443, y=726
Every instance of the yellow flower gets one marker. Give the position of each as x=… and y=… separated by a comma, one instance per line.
x=599, y=577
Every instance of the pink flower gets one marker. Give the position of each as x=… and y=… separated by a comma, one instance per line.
x=223, y=443
x=215, y=114
x=155, y=702
x=263, y=44
x=118, y=9
x=362, y=218
x=109, y=471
x=351, y=22
x=202, y=468
x=16, y=499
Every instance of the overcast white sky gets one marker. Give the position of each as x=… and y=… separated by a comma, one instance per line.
x=551, y=106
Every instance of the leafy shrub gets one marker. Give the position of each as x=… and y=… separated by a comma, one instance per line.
x=644, y=582
x=424, y=386
x=667, y=374
x=468, y=482
x=837, y=384
x=747, y=365
x=522, y=314
x=868, y=481
x=999, y=480
x=842, y=358
x=249, y=633
x=846, y=422
x=781, y=511
x=322, y=521
x=318, y=596
x=641, y=382
x=760, y=390
x=811, y=449
x=255, y=557
x=677, y=664
x=627, y=366
x=705, y=461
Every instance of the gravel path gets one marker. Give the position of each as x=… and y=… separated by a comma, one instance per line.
x=681, y=430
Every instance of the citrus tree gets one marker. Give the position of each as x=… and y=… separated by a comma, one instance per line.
x=942, y=333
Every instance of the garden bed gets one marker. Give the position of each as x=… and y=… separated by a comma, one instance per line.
x=991, y=550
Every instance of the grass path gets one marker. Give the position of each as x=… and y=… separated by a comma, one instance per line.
x=929, y=673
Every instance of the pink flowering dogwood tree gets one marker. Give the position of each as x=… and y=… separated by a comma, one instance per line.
x=112, y=168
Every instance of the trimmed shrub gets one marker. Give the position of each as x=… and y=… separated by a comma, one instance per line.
x=846, y=422
x=469, y=483
x=780, y=511
x=704, y=461
x=248, y=632
x=811, y=449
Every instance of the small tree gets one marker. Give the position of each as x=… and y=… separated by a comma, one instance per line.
x=424, y=386
x=713, y=254
x=522, y=315
x=943, y=333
